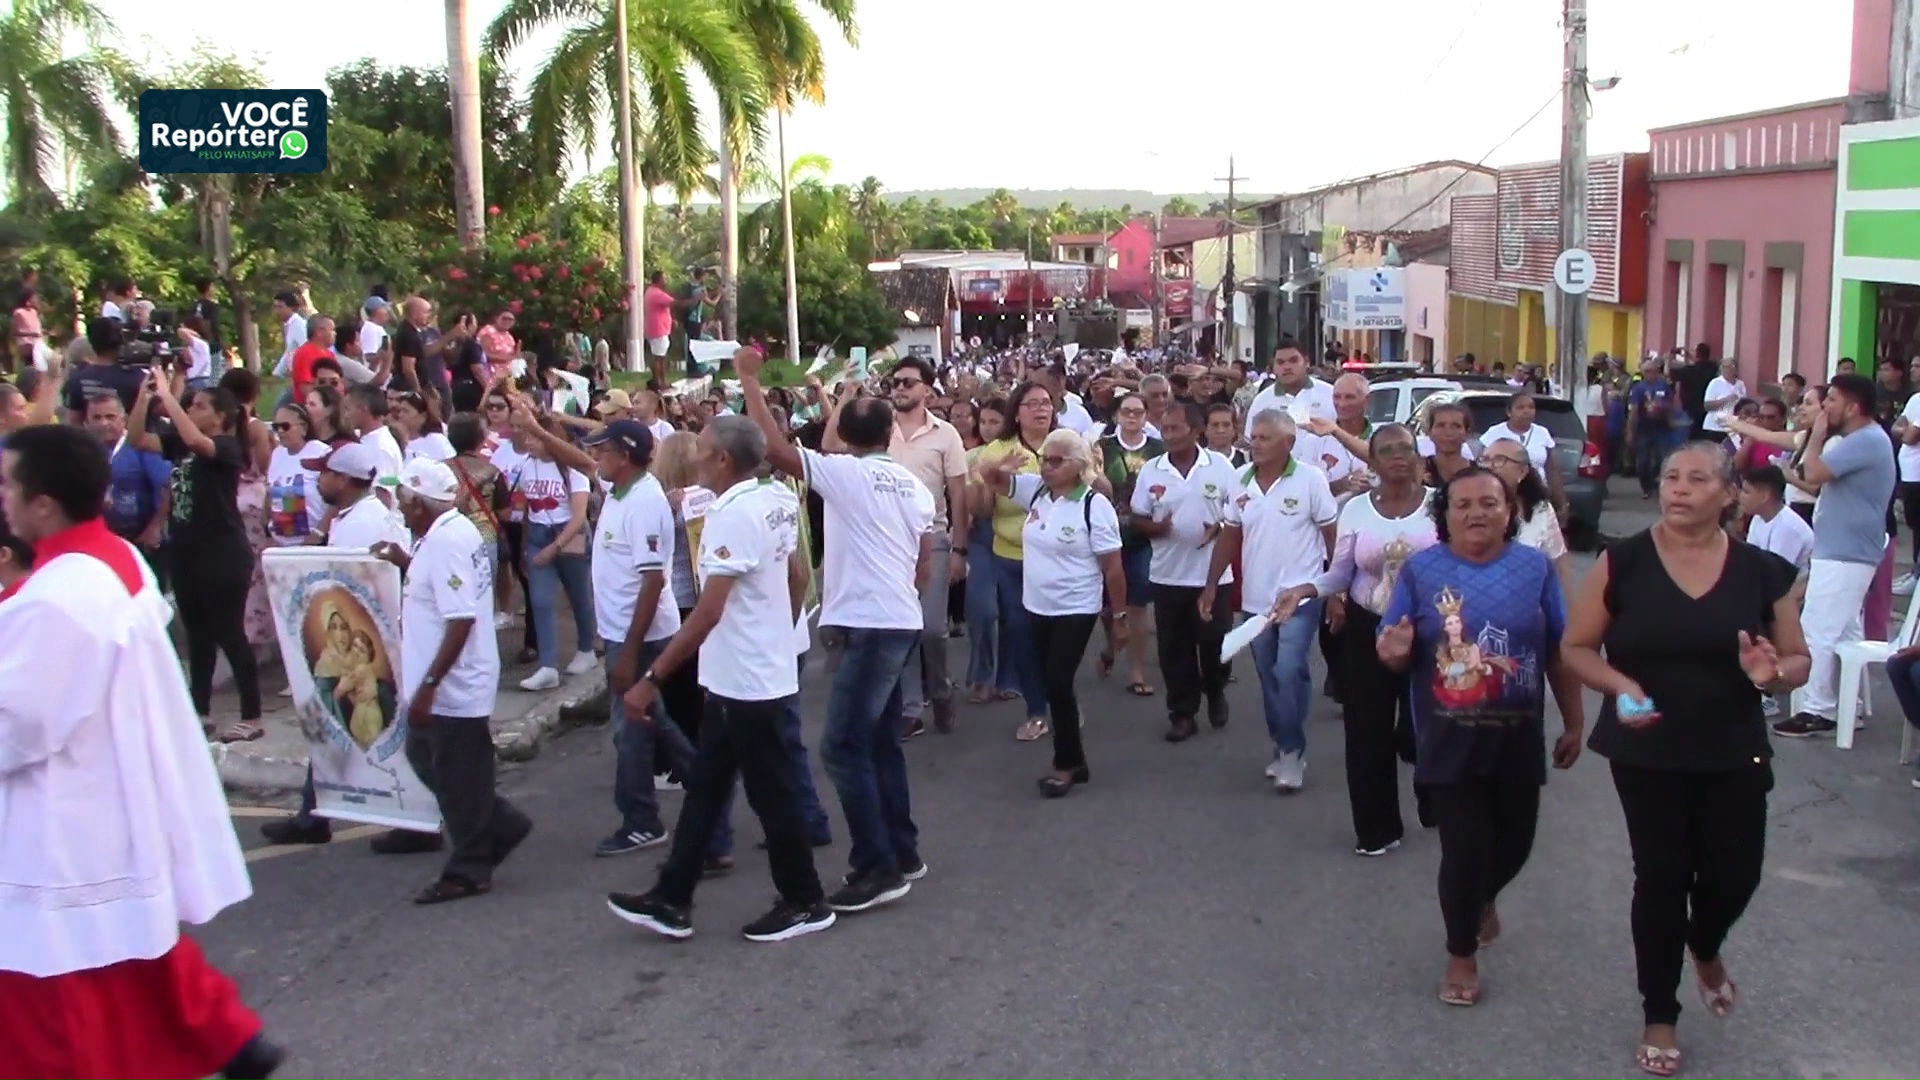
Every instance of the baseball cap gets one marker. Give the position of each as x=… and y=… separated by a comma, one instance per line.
x=357, y=461
x=375, y=303
x=631, y=436
x=616, y=401
x=429, y=480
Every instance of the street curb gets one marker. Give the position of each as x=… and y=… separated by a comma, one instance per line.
x=517, y=740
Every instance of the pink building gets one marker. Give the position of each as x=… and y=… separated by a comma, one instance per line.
x=1427, y=314
x=1741, y=250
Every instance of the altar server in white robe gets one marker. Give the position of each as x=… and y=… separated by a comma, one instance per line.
x=113, y=825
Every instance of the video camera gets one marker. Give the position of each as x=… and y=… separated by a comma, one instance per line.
x=150, y=344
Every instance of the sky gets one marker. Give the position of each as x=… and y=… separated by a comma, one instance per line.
x=1120, y=94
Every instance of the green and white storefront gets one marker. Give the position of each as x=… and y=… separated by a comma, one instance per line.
x=1876, y=245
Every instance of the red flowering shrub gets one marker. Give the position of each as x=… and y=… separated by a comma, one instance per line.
x=543, y=283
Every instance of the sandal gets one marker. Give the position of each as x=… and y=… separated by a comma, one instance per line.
x=1489, y=927
x=1464, y=995
x=1139, y=689
x=451, y=888
x=1657, y=1062
x=1719, y=1000
x=1005, y=695
x=979, y=696
x=1033, y=730
x=244, y=731
x=1106, y=662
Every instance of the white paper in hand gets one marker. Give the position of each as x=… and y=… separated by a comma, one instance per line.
x=1242, y=636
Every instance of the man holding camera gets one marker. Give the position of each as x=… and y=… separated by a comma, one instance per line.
x=103, y=373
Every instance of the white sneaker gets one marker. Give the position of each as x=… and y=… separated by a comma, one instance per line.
x=582, y=663
x=1289, y=773
x=544, y=679
x=286, y=691
x=503, y=621
x=1903, y=585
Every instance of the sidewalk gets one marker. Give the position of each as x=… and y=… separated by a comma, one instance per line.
x=276, y=763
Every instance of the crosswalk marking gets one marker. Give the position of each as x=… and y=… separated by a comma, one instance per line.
x=340, y=836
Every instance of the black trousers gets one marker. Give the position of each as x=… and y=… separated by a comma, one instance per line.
x=1699, y=840
x=1379, y=728
x=210, y=595
x=1330, y=650
x=1060, y=643
x=1486, y=834
x=685, y=701
x=1910, y=509
x=1189, y=647
x=742, y=738
x=453, y=756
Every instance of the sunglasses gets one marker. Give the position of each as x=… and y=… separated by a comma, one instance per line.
x=283, y=426
x=895, y=384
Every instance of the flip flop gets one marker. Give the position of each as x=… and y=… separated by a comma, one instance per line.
x=1032, y=731
x=1006, y=695
x=1106, y=663
x=244, y=731
x=1460, y=994
x=1139, y=689
x=1657, y=1062
x=978, y=697
x=1719, y=1000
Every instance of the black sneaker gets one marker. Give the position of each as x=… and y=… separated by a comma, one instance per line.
x=628, y=841
x=294, y=831
x=916, y=868
x=1804, y=726
x=789, y=921
x=257, y=1060
x=648, y=910
x=406, y=842
x=869, y=891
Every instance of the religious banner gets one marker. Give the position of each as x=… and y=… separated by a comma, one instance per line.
x=337, y=613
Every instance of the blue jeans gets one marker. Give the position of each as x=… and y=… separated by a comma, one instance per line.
x=1904, y=674
x=862, y=748
x=983, y=620
x=1286, y=682
x=636, y=747
x=1017, y=660
x=571, y=572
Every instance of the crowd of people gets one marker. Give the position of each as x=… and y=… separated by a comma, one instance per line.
x=1037, y=504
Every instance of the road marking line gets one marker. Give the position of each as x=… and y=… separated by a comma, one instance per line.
x=359, y=832
x=256, y=811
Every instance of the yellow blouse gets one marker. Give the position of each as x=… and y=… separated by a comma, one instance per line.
x=1009, y=517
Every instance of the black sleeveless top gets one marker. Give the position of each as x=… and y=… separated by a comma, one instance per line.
x=1685, y=653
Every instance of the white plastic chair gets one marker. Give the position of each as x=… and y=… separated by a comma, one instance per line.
x=1854, y=657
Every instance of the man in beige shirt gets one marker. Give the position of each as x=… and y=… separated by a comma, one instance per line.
x=931, y=449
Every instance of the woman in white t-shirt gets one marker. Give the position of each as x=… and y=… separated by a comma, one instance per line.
x=1070, y=548
x=553, y=500
x=193, y=338
x=294, y=505
x=418, y=432
x=1723, y=393
x=1539, y=525
x=1376, y=534
x=1520, y=427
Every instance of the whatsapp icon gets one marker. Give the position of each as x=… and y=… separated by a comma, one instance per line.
x=293, y=144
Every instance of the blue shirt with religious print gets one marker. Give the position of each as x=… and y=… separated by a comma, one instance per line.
x=1483, y=636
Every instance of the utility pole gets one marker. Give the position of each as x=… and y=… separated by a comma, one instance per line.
x=1570, y=365
x=1229, y=339
x=1153, y=267
x=633, y=235
x=1030, y=284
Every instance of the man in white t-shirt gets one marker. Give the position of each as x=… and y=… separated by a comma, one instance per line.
x=878, y=526
x=1906, y=436
x=742, y=629
x=1771, y=526
x=637, y=615
x=1723, y=393
x=1180, y=503
x=1293, y=383
x=365, y=410
x=293, y=330
x=449, y=675
x=1279, y=527
x=374, y=338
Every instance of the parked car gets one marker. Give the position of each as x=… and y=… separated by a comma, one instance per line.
x=1583, y=473
x=1393, y=401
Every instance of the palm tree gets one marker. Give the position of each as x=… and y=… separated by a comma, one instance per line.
x=463, y=88
x=786, y=43
x=53, y=102
x=652, y=49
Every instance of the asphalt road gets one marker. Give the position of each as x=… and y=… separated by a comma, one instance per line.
x=1173, y=918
